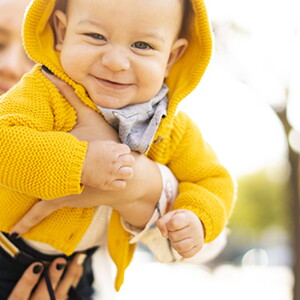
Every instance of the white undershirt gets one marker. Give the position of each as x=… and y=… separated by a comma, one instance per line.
x=94, y=236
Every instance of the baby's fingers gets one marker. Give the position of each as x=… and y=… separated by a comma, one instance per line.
x=125, y=164
x=34, y=216
x=126, y=173
x=179, y=235
x=185, y=242
x=123, y=173
x=187, y=248
x=162, y=223
x=171, y=221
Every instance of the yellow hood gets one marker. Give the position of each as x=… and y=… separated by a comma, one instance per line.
x=183, y=78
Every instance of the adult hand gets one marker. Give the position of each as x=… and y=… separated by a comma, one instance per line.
x=29, y=287
x=141, y=193
x=90, y=197
x=88, y=120
x=108, y=163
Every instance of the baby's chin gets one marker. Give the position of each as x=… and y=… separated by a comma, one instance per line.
x=108, y=102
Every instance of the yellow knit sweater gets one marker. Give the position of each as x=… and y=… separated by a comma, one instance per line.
x=41, y=160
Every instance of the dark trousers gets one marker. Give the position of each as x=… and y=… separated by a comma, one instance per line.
x=11, y=270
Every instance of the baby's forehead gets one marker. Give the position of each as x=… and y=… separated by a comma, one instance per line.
x=182, y=7
x=65, y=3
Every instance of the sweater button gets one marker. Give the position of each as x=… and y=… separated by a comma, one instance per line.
x=159, y=140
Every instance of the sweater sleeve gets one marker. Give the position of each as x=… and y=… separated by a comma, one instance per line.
x=205, y=186
x=36, y=159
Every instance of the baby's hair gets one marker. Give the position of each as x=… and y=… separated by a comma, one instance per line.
x=61, y=5
x=187, y=15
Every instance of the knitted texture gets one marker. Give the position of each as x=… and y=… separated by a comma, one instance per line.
x=39, y=159
x=205, y=187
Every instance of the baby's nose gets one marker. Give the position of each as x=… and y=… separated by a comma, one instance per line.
x=116, y=59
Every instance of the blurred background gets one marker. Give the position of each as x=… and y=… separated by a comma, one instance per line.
x=248, y=108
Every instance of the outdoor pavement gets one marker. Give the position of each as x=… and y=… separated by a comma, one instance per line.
x=148, y=280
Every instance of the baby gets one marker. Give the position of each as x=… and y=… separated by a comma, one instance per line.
x=134, y=69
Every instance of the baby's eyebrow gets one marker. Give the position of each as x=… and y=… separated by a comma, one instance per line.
x=149, y=34
x=88, y=22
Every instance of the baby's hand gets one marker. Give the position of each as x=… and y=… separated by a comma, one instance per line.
x=107, y=165
x=185, y=231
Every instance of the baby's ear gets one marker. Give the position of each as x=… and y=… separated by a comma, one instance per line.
x=177, y=51
x=60, y=25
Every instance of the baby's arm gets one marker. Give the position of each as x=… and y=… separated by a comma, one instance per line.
x=135, y=203
x=205, y=187
x=181, y=228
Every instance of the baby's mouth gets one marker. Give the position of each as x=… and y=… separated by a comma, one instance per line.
x=113, y=84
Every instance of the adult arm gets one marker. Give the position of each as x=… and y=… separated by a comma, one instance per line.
x=40, y=158
x=135, y=203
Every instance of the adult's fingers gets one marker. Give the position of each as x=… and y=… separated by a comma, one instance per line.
x=55, y=273
x=71, y=277
x=61, y=285
x=36, y=214
x=68, y=92
x=88, y=119
x=27, y=282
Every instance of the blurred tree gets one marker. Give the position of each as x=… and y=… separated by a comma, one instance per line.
x=262, y=203
x=264, y=54
x=294, y=197
x=271, y=75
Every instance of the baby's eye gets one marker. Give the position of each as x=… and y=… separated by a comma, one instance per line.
x=96, y=36
x=142, y=45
